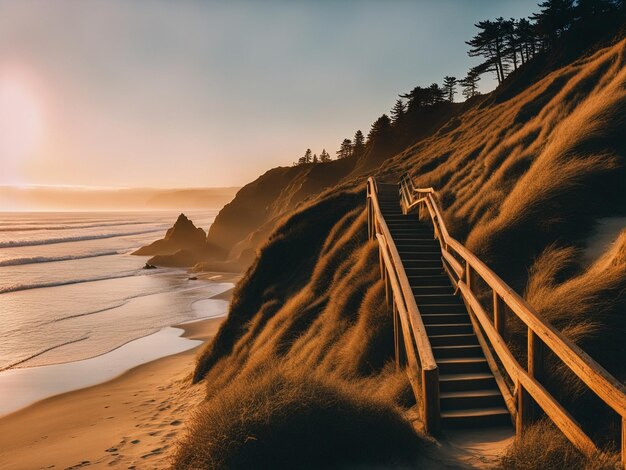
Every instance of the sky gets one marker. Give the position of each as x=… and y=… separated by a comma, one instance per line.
x=116, y=93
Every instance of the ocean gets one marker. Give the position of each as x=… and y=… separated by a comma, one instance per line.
x=70, y=290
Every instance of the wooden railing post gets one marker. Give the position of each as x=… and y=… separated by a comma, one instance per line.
x=399, y=338
x=469, y=276
x=388, y=292
x=396, y=336
x=369, y=217
x=430, y=394
x=623, y=441
x=524, y=406
x=499, y=319
x=530, y=410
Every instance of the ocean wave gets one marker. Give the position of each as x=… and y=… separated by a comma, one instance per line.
x=50, y=241
x=39, y=353
x=31, y=228
x=49, y=259
x=18, y=287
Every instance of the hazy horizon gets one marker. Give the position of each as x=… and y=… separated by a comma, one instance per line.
x=211, y=94
x=79, y=198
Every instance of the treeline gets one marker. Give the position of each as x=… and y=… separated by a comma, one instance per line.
x=504, y=45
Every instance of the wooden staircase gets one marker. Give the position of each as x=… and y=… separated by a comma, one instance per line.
x=450, y=314
x=469, y=395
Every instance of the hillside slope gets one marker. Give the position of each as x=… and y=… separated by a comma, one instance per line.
x=523, y=181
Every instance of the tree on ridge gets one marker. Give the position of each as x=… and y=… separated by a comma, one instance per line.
x=324, y=156
x=358, y=146
x=345, y=150
x=449, y=87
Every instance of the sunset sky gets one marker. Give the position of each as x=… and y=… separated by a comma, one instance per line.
x=196, y=94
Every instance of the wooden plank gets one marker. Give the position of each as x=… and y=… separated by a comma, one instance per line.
x=469, y=276
x=508, y=361
x=509, y=399
x=541, y=334
x=559, y=416
x=623, y=441
x=427, y=358
x=396, y=336
x=535, y=356
x=456, y=266
x=523, y=418
x=430, y=387
x=609, y=389
x=499, y=318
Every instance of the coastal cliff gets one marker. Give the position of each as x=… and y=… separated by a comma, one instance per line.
x=523, y=174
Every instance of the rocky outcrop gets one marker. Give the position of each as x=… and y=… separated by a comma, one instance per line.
x=183, y=235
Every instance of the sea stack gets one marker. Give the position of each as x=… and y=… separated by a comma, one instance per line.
x=182, y=235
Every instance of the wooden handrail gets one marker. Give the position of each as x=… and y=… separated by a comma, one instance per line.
x=540, y=333
x=415, y=340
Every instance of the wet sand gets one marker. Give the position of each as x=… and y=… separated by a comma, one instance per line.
x=131, y=421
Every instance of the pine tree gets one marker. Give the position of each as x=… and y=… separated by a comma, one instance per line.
x=315, y=160
x=417, y=98
x=308, y=156
x=437, y=94
x=380, y=131
x=588, y=10
x=511, y=42
x=345, y=150
x=489, y=43
x=554, y=19
x=358, y=147
x=398, y=111
x=527, y=38
x=470, y=84
x=324, y=156
x=449, y=87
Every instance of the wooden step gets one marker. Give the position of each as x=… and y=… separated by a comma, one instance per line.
x=421, y=254
x=453, y=340
x=416, y=239
x=423, y=263
x=445, y=318
x=413, y=268
x=471, y=399
x=462, y=365
x=476, y=417
x=415, y=242
x=438, y=299
x=421, y=289
x=417, y=280
x=464, y=350
x=442, y=308
x=466, y=381
x=449, y=329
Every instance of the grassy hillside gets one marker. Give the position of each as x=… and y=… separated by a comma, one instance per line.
x=523, y=178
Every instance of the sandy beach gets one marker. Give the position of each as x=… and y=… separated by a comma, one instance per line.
x=130, y=422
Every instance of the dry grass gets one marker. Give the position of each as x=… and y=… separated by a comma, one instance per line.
x=522, y=182
x=543, y=446
x=297, y=420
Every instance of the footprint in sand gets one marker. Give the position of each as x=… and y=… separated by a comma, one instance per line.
x=136, y=441
x=153, y=452
x=176, y=422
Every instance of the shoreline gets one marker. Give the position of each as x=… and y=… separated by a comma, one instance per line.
x=130, y=421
